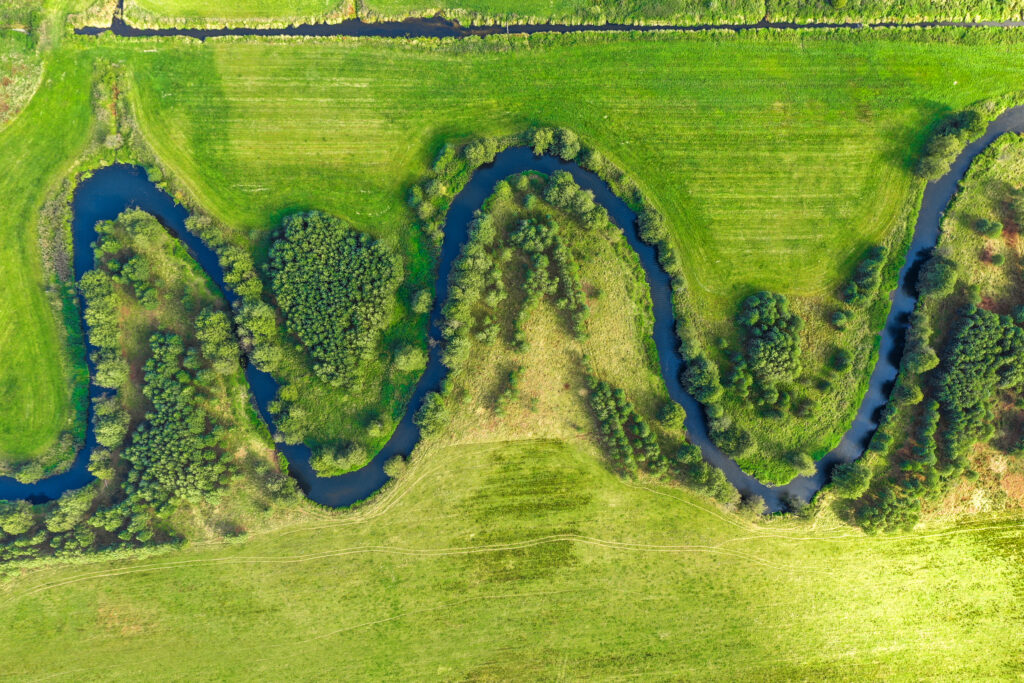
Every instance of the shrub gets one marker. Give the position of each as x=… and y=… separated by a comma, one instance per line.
x=673, y=416
x=422, y=301
x=432, y=414
x=840, y=319
x=859, y=289
x=841, y=360
x=998, y=259
x=988, y=228
x=410, y=359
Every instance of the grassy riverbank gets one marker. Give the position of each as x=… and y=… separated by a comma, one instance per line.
x=505, y=560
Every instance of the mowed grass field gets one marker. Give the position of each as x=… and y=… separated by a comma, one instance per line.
x=529, y=560
x=37, y=148
x=232, y=12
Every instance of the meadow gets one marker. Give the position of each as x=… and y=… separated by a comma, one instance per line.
x=509, y=560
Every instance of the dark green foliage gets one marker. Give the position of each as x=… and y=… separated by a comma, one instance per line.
x=335, y=286
x=172, y=453
x=998, y=259
x=840, y=360
x=16, y=516
x=988, y=228
x=946, y=142
x=422, y=302
x=331, y=462
x=771, y=338
x=566, y=144
x=216, y=340
x=689, y=465
x=627, y=437
x=673, y=416
x=700, y=378
x=257, y=332
x=802, y=462
x=985, y=353
x=432, y=413
x=851, y=479
x=101, y=317
x=541, y=139
x=110, y=421
x=858, y=291
x=480, y=152
x=937, y=277
x=840, y=319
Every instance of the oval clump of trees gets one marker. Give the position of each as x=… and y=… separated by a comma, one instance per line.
x=335, y=286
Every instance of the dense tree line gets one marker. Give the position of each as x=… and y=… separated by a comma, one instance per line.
x=626, y=435
x=334, y=286
x=985, y=353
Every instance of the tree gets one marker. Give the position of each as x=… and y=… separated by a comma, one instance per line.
x=772, y=345
x=851, y=479
x=16, y=516
x=673, y=416
x=841, y=360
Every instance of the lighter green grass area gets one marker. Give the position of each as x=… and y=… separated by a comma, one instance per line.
x=530, y=560
x=776, y=158
x=231, y=12
x=37, y=149
x=551, y=394
x=572, y=11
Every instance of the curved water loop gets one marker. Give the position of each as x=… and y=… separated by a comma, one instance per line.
x=113, y=189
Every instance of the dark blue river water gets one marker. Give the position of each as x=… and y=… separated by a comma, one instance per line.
x=113, y=189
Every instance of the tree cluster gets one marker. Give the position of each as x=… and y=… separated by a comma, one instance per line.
x=858, y=291
x=946, y=142
x=335, y=287
x=626, y=435
x=172, y=454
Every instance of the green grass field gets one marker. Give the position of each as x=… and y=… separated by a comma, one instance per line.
x=35, y=376
x=232, y=12
x=530, y=560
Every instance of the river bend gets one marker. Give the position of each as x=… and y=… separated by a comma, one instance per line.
x=111, y=190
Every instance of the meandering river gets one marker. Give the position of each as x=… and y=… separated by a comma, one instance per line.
x=111, y=190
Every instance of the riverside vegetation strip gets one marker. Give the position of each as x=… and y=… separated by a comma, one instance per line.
x=228, y=129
